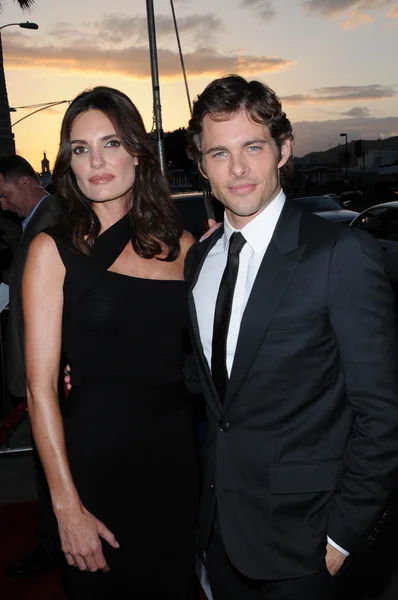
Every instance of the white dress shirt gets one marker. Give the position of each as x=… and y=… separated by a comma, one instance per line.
x=258, y=234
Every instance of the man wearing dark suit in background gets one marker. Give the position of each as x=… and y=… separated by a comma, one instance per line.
x=22, y=194
x=293, y=331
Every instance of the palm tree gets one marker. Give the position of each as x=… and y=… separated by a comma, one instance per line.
x=24, y=4
x=7, y=145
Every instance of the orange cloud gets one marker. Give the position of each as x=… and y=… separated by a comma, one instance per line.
x=393, y=12
x=356, y=19
x=133, y=61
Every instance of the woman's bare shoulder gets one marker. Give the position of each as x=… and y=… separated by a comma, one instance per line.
x=44, y=249
x=186, y=241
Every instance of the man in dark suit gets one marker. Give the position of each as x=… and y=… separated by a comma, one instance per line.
x=293, y=332
x=22, y=194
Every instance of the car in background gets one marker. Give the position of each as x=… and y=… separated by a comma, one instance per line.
x=326, y=207
x=381, y=221
x=195, y=208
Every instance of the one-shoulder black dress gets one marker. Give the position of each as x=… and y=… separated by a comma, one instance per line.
x=129, y=430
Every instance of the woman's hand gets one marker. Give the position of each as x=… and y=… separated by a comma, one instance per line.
x=67, y=383
x=80, y=534
x=213, y=225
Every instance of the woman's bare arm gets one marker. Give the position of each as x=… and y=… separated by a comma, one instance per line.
x=42, y=297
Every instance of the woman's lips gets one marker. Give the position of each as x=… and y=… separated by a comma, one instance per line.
x=98, y=179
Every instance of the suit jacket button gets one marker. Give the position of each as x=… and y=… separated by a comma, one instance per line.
x=211, y=487
x=224, y=426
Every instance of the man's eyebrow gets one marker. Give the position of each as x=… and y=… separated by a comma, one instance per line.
x=103, y=139
x=215, y=149
x=244, y=145
x=255, y=141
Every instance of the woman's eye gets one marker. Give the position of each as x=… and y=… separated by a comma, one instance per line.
x=113, y=144
x=79, y=149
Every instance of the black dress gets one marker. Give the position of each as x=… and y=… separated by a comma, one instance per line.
x=129, y=430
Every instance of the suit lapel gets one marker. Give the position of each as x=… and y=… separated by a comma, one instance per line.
x=201, y=250
x=276, y=270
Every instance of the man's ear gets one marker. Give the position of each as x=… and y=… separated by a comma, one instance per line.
x=26, y=182
x=201, y=170
x=286, y=152
x=136, y=160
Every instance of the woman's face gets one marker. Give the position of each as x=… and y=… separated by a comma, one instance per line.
x=103, y=169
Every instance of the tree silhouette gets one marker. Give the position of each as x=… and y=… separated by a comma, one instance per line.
x=24, y=4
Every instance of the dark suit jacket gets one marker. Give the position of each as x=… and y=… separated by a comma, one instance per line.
x=46, y=215
x=306, y=442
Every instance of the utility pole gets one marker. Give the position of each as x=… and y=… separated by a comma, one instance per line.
x=157, y=109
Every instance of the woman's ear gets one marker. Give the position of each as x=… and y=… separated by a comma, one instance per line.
x=136, y=160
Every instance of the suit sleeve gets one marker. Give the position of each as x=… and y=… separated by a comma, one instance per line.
x=190, y=366
x=361, y=310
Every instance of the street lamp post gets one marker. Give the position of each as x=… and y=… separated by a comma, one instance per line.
x=7, y=145
x=345, y=156
x=25, y=25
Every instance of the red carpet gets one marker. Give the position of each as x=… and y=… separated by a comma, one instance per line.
x=17, y=522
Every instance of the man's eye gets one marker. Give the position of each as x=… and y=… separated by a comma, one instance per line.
x=254, y=148
x=79, y=149
x=113, y=144
x=219, y=154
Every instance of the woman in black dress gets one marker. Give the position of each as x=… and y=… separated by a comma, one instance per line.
x=105, y=290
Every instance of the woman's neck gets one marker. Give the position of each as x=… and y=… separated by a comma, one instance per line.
x=109, y=213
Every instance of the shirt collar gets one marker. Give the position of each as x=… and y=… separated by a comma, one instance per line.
x=259, y=231
x=32, y=212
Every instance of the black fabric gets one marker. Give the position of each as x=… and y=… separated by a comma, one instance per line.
x=313, y=382
x=48, y=213
x=222, y=314
x=128, y=429
x=228, y=584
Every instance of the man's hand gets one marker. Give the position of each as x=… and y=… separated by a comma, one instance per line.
x=334, y=559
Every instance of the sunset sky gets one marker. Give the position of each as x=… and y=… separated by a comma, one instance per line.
x=333, y=62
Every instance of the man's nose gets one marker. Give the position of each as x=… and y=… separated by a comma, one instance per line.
x=238, y=165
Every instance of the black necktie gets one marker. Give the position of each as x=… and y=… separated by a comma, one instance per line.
x=222, y=314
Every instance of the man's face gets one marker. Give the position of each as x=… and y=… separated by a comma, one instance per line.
x=242, y=162
x=15, y=196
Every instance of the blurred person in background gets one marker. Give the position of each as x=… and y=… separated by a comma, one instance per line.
x=22, y=195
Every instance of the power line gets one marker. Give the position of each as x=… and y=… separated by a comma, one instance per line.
x=181, y=56
x=43, y=107
x=49, y=104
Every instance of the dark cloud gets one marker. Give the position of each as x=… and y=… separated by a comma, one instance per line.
x=343, y=93
x=132, y=61
x=330, y=8
x=263, y=8
x=314, y=136
x=118, y=28
x=357, y=111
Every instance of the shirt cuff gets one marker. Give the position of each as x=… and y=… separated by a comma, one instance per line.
x=339, y=548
